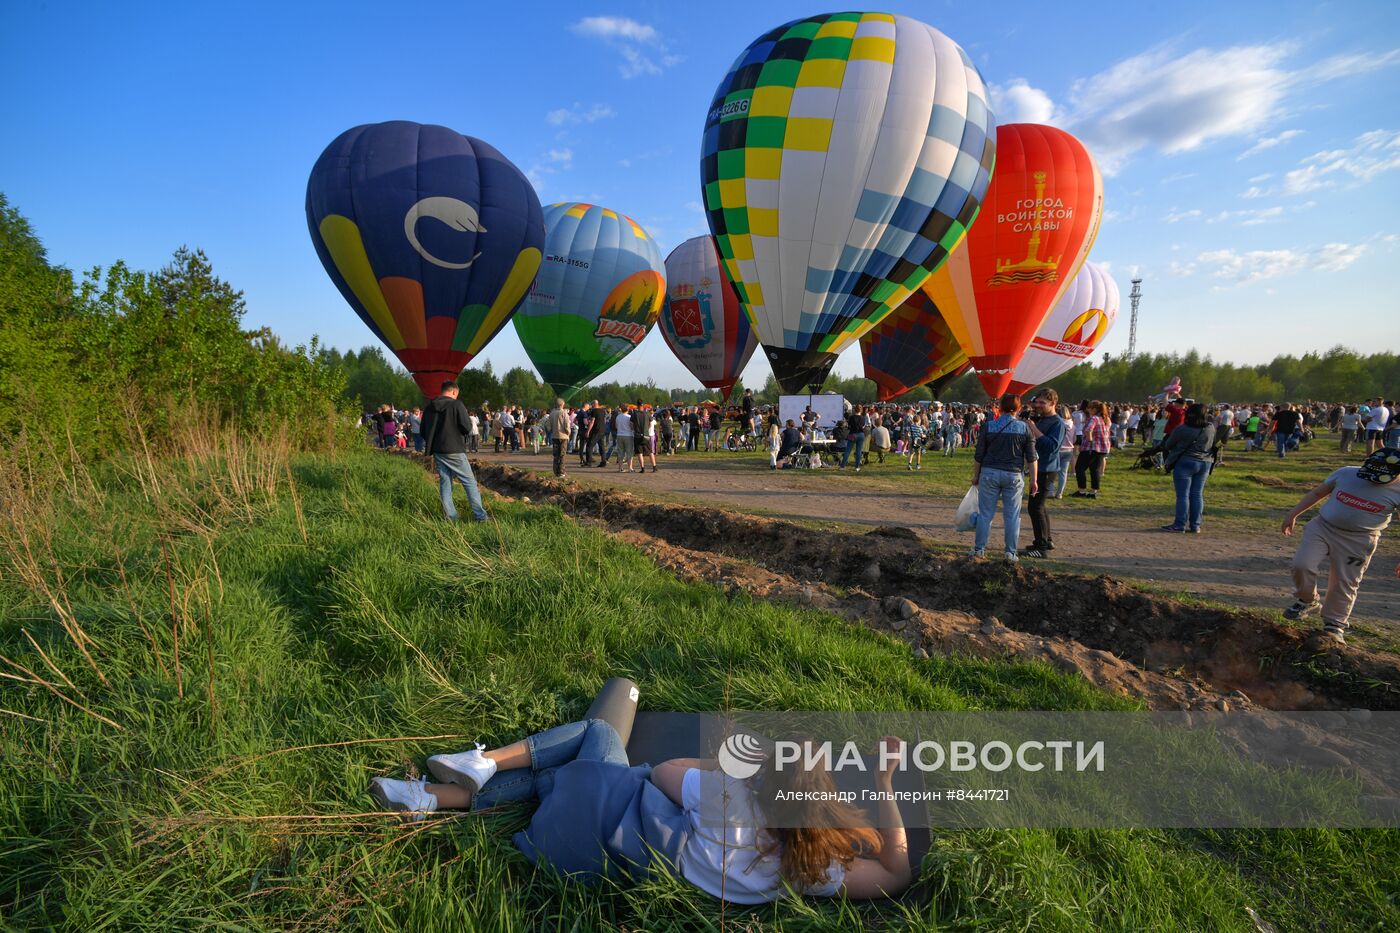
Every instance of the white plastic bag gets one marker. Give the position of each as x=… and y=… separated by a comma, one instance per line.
x=966, y=517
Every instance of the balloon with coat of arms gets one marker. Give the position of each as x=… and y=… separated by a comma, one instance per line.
x=1038, y=221
x=702, y=321
x=432, y=237
x=597, y=295
x=843, y=156
x=1075, y=328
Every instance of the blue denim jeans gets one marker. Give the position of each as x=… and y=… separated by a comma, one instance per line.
x=1281, y=440
x=999, y=486
x=1189, y=477
x=588, y=740
x=854, y=444
x=458, y=467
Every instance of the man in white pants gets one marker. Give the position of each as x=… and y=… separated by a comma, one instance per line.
x=1344, y=535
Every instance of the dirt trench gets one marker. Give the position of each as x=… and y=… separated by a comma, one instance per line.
x=1170, y=654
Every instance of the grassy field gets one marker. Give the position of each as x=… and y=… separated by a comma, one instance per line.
x=207, y=659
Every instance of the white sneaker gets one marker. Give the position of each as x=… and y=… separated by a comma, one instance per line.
x=1012, y=558
x=470, y=768
x=410, y=797
x=976, y=553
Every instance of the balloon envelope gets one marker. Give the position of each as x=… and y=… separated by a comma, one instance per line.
x=937, y=384
x=431, y=236
x=1075, y=328
x=911, y=347
x=599, y=291
x=843, y=156
x=1039, y=219
x=701, y=319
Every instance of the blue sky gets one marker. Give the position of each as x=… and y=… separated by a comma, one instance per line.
x=1252, y=150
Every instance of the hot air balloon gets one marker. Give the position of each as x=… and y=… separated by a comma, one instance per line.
x=843, y=156
x=912, y=346
x=1040, y=217
x=432, y=237
x=937, y=384
x=599, y=291
x=701, y=319
x=1076, y=326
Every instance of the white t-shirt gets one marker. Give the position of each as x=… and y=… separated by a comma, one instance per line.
x=624, y=425
x=727, y=857
x=1226, y=418
x=1380, y=417
x=1358, y=504
x=475, y=423
x=1077, y=418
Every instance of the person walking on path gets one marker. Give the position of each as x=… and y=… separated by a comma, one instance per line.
x=446, y=429
x=644, y=427
x=1189, y=454
x=1093, y=450
x=1357, y=507
x=1052, y=430
x=1005, y=449
x=557, y=425
x=626, y=439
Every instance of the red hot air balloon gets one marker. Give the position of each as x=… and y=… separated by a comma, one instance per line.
x=1038, y=220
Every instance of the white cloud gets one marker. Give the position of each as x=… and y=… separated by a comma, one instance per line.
x=1244, y=268
x=1268, y=142
x=1253, y=191
x=570, y=116
x=1173, y=179
x=1248, y=217
x=1373, y=153
x=1175, y=102
x=643, y=50
x=1261, y=178
x=1018, y=102
x=1176, y=216
x=552, y=162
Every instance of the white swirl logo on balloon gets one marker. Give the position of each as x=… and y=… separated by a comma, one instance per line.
x=741, y=755
x=459, y=215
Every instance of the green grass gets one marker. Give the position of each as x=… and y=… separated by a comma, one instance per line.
x=351, y=612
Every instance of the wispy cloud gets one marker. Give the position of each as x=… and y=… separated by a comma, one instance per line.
x=1268, y=142
x=552, y=162
x=1258, y=265
x=641, y=46
x=572, y=116
x=1371, y=154
x=1175, y=216
x=1174, y=101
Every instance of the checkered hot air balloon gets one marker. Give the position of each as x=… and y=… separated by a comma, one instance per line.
x=701, y=320
x=431, y=236
x=843, y=156
x=1074, y=329
x=1039, y=218
x=598, y=293
x=911, y=347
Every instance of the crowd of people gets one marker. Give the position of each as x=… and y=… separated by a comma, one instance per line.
x=1020, y=450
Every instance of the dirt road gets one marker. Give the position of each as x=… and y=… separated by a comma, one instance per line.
x=1234, y=568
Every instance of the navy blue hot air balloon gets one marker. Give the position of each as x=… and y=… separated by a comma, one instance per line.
x=432, y=237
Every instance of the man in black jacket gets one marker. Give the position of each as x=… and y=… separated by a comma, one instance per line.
x=445, y=431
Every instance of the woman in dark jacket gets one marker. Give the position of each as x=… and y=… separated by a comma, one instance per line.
x=1189, y=452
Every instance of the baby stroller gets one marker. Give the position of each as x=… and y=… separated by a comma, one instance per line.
x=1149, y=459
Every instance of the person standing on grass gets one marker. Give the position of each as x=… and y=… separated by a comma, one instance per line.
x=1066, y=459
x=1350, y=423
x=1093, y=451
x=557, y=425
x=1004, y=451
x=1051, y=431
x=1176, y=415
x=914, y=433
x=1287, y=422
x=1392, y=433
x=1377, y=425
x=445, y=429
x=1189, y=453
x=855, y=437
x=1358, y=506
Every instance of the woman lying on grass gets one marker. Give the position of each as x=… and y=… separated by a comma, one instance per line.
x=600, y=816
